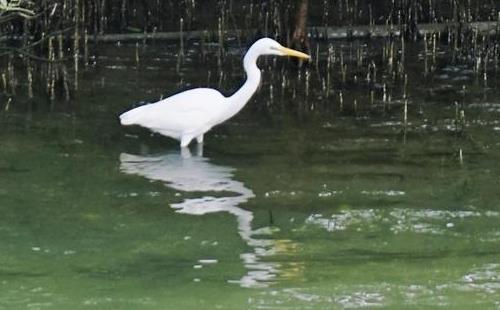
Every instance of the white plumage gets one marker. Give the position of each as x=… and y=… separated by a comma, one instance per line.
x=192, y=113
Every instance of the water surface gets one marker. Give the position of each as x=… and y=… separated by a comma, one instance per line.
x=286, y=206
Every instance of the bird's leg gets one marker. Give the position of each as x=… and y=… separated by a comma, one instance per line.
x=185, y=140
x=185, y=152
x=199, y=149
x=199, y=139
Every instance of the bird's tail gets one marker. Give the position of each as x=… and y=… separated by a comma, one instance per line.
x=129, y=118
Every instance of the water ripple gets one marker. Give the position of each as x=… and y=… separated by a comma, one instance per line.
x=424, y=221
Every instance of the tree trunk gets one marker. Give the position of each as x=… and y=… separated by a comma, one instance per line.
x=300, y=40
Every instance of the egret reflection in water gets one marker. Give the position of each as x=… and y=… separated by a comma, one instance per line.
x=195, y=173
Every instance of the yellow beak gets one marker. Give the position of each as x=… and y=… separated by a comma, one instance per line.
x=294, y=53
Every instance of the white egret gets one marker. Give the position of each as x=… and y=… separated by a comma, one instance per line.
x=190, y=114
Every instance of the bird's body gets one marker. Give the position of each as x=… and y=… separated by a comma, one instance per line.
x=181, y=116
x=190, y=114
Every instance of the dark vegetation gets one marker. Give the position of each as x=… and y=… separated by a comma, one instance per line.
x=47, y=41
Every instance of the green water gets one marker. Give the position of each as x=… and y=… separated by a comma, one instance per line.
x=283, y=210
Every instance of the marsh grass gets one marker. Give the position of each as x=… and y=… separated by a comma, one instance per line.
x=56, y=37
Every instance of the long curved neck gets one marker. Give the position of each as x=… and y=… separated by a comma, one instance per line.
x=239, y=99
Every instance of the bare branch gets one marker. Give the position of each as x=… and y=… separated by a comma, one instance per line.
x=13, y=8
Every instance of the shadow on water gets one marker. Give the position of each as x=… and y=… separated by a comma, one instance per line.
x=188, y=172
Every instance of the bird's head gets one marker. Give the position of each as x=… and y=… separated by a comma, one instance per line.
x=267, y=46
